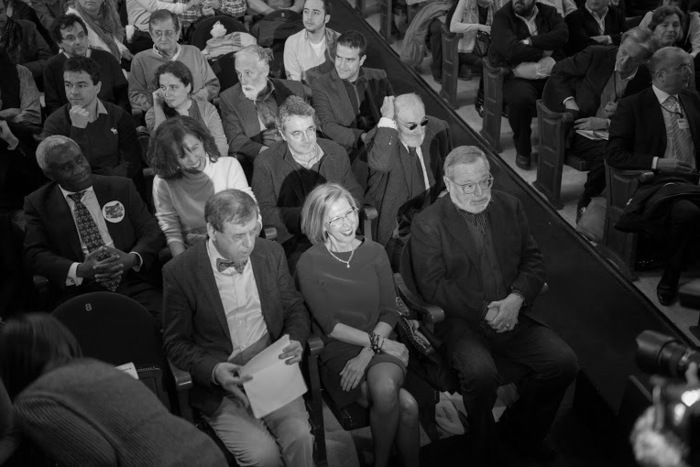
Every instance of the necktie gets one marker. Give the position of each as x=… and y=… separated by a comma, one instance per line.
x=90, y=234
x=222, y=265
x=681, y=138
x=419, y=168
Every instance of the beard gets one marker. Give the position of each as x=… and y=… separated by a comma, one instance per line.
x=254, y=91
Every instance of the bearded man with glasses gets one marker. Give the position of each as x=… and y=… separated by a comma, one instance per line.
x=405, y=159
x=475, y=257
x=285, y=174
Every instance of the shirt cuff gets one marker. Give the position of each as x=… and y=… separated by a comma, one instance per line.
x=386, y=122
x=72, y=278
x=653, y=163
x=139, y=261
x=570, y=98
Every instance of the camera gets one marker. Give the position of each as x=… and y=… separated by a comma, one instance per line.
x=671, y=428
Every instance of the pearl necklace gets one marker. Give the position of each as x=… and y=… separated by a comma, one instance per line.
x=347, y=263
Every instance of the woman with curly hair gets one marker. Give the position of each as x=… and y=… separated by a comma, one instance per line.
x=105, y=30
x=173, y=96
x=23, y=43
x=189, y=169
x=674, y=17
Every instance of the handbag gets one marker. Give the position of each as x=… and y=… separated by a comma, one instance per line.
x=592, y=223
x=482, y=44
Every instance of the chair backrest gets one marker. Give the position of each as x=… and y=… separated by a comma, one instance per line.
x=272, y=31
x=202, y=29
x=552, y=128
x=117, y=330
x=450, y=66
x=406, y=269
x=493, y=105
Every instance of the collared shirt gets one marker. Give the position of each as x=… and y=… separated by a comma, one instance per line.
x=241, y=303
x=300, y=54
x=173, y=58
x=92, y=204
x=667, y=111
x=530, y=23
x=599, y=19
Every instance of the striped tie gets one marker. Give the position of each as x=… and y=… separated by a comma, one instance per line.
x=681, y=138
x=90, y=234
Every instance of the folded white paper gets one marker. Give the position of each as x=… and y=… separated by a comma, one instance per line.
x=130, y=369
x=274, y=384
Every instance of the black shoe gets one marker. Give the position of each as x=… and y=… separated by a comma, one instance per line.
x=522, y=161
x=580, y=212
x=668, y=287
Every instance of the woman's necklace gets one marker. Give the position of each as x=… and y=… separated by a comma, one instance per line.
x=347, y=263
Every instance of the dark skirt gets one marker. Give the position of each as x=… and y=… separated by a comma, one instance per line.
x=333, y=359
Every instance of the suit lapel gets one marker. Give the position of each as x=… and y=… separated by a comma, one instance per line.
x=297, y=185
x=251, y=123
x=344, y=106
x=497, y=219
x=257, y=260
x=455, y=225
x=210, y=289
x=655, y=119
x=692, y=114
x=104, y=195
x=57, y=207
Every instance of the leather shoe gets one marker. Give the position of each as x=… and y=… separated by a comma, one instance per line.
x=580, y=212
x=522, y=161
x=668, y=287
x=479, y=106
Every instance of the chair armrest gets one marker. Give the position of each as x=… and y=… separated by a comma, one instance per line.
x=315, y=345
x=183, y=380
x=430, y=314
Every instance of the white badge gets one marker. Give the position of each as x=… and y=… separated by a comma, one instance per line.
x=113, y=211
x=683, y=124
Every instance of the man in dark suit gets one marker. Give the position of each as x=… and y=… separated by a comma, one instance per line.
x=477, y=260
x=657, y=130
x=589, y=85
x=597, y=23
x=405, y=160
x=527, y=37
x=226, y=300
x=88, y=233
x=348, y=98
x=249, y=108
x=287, y=173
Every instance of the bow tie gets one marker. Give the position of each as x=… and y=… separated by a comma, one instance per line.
x=222, y=265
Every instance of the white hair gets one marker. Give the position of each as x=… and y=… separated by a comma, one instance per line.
x=49, y=147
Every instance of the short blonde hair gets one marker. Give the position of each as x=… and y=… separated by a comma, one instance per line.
x=316, y=207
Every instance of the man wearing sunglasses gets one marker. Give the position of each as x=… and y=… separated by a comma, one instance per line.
x=474, y=256
x=405, y=158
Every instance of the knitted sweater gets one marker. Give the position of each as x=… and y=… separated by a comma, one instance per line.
x=88, y=413
x=180, y=202
x=205, y=84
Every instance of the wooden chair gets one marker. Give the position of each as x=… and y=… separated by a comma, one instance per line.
x=553, y=129
x=493, y=105
x=386, y=19
x=620, y=248
x=450, y=66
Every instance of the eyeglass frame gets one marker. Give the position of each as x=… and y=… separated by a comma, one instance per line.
x=168, y=34
x=413, y=125
x=311, y=131
x=352, y=212
x=489, y=181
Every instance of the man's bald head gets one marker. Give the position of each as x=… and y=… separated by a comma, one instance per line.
x=671, y=69
x=52, y=147
x=409, y=113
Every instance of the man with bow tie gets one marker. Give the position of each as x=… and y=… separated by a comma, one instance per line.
x=225, y=300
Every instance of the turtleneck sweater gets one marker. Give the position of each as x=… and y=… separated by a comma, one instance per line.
x=180, y=202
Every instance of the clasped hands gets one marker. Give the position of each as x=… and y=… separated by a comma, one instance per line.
x=502, y=315
x=351, y=374
x=227, y=374
x=587, y=123
x=106, y=269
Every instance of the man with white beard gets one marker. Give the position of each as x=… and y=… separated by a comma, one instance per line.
x=249, y=109
x=479, y=262
x=405, y=160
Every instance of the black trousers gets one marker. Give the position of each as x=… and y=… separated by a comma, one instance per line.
x=593, y=152
x=521, y=96
x=683, y=227
x=551, y=367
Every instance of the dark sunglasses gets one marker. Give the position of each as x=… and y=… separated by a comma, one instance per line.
x=413, y=126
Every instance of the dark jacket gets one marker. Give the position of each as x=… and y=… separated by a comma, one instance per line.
x=507, y=32
x=637, y=131
x=335, y=111
x=35, y=51
x=582, y=26
x=195, y=329
x=279, y=189
x=390, y=176
x=444, y=253
x=240, y=117
x=584, y=76
x=52, y=243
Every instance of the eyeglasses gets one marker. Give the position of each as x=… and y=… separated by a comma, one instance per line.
x=309, y=132
x=469, y=188
x=412, y=126
x=168, y=34
x=350, y=216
